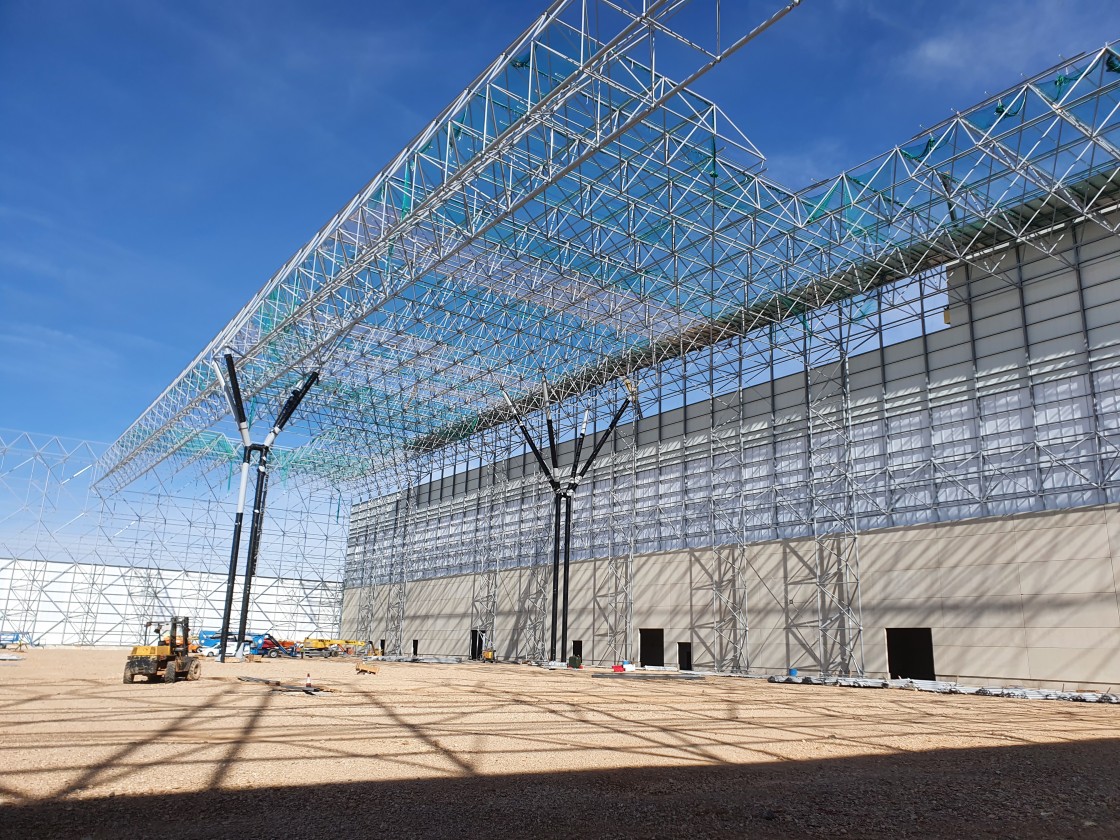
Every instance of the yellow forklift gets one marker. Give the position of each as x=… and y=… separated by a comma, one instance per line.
x=165, y=662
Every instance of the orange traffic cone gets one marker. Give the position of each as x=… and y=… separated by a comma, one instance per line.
x=308, y=683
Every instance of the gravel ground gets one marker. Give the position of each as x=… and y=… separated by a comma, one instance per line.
x=477, y=750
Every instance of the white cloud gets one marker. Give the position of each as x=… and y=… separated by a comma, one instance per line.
x=34, y=353
x=998, y=41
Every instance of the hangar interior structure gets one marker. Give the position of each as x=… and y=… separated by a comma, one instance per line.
x=574, y=338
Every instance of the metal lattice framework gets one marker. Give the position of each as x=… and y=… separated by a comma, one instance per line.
x=77, y=567
x=577, y=215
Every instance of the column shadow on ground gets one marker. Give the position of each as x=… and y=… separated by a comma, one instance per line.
x=1031, y=791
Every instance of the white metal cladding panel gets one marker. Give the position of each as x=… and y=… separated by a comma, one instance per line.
x=81, y=603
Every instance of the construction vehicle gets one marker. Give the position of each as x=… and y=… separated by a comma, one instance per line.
x=318, y=647
x=265, y=644
x=165, y=662
x=17, y=640
x=333, y=647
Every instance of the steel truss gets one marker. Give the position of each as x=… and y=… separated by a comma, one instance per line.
x=620, y=259
x=577, y=213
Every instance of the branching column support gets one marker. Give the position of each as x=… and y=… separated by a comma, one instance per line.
x=563, y=488
x=237, y=405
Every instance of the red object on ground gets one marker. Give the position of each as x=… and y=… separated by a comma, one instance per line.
x=618, y=669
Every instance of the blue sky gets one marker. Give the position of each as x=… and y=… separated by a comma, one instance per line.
x=160, y=159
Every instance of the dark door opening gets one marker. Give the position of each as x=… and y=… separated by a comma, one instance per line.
x=910, y=653
x=577, y=648
x=415, y=648
x=478, y=639
x=684, y=656
x=651, y=647
x=382, y=648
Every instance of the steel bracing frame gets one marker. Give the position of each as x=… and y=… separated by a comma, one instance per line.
x=579, y=216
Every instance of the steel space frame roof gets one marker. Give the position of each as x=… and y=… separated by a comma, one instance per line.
x=574, y=215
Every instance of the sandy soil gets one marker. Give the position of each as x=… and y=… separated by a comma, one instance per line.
x=514, y=751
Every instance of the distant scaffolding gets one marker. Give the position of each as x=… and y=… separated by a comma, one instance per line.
x=79, y=568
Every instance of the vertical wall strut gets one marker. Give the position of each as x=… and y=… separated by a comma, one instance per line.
x=623, y=520
x=484, y=602
x=831, y=622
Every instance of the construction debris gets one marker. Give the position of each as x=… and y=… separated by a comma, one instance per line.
x=304, y=689
x=942, y=687
x=289, y=688
x=845, y=682
x=639, y=675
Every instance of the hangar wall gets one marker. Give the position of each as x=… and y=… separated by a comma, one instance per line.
x=986, y=468
x=1030, y=600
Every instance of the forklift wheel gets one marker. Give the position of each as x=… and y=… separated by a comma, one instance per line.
x=194, y=672
x=169, y=675
x=127, y=677
x=273, y=653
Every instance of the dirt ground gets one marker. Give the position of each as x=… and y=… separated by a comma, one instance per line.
x=477, y=750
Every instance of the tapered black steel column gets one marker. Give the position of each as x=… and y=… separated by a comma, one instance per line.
x=255, y=530
x=562, y=502
x=568, y=501
x=567, y=563
x=556, y=505
x=257, y=526
x=237, y=406
x=286, y=412
x=235, y=550
x=555, y=571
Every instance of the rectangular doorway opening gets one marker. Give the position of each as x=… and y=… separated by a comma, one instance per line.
x=382, y=648
x=478, y=640
x=910, y=653
x=651, y=647
x=577, y=648
x=415, y=648
x=684, y=656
